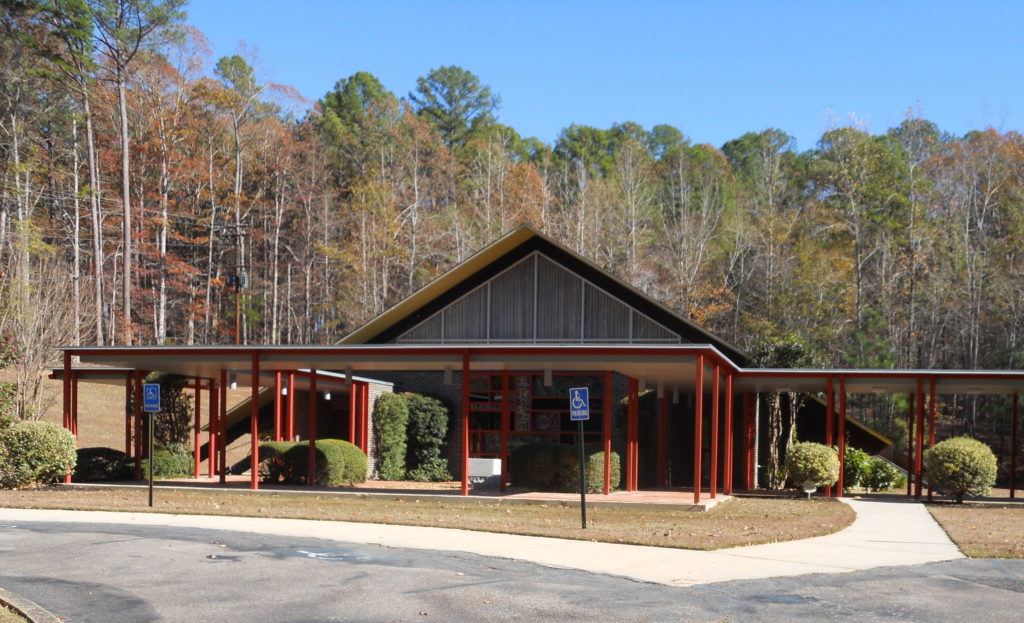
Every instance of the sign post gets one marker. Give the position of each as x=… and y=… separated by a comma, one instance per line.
x=150, y=404
x=579, y=411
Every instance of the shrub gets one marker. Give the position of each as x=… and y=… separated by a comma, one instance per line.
x=556, y=467
x=355, y=462
x=855, y=467
x=812, y=462
x=273, y=467
x=169, y=462
x=881, y=474
x=35, y=452
x=961, y=466
x=428, y=426
x=101, y=464
x=8, y=403
x=337, y=462
x=390, y=418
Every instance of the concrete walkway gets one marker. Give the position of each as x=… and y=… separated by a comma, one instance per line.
x=885, y=533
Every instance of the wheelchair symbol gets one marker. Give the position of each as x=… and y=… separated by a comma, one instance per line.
x=577, y=400
x=152, y=393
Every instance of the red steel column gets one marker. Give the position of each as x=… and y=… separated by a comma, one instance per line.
x=254, y=425
x=829, y=439
x=464, y=437
x=715, y=389
x=919, y=466
x=1013, y=448
x=662, y=440
x=842, y=431
x=606, y=432
x=311, y=430
x=910, y=445
x=728, y=475
x=212, y=438
x=222, y=438
x=74, y=403
x=66, y=381
x=353, y=410
x=364, y=410
x=931, y=424
x=138, y=424
x=749, y=438
x=290, y=406
x=505, y=424
x=632, y=415
x=830, y=414
x=277, y=405
x=197, y=431
x=128, y=414
x=698, y=430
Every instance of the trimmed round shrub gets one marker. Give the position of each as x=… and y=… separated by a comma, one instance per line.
x=101, y=464
x=355, y=462
x=426, y=431
x=556, y=467
x=881, y=474
x=273, y=467
x=961, y=466
x=35, y=452
x=169, y=463
x=855, y=467
x=812, y=462
x=390, y=417
x=337, y=462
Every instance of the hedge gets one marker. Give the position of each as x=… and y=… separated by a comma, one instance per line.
x=273, y=467
x=881, y=475
x=855, y=467
x=337, y=462
x=35, y=452
x=390, y=417
x=961, y=466
x=426, y=431
x=102, y=464
x=555, y=467
x=169, y=463
x=812, y=462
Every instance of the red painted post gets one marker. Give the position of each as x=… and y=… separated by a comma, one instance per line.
x=632, y=414
x=353, y=411
x=606, y=432
x=222, y=438
x=830, y=414
x=749, y=439
x=662, y=441
x=465, y=423
x=829, y=439
x=74, y=403
x=290, y=406
x=715, y=389
x=505, y=424
x=842, y=431
x=729, y=450
x=698, y=431
x=138, y=424
x=931, y=424
x=66, y=382
x=211, y=438
x=1013, y=448
x=910, y=445
x=254, y=425
x=311, y=429
x=364, y=410
x=919, y=464
x=197, y=430
x=128, y=414
x=277, y=405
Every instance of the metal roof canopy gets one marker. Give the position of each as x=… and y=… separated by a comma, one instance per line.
x=668, y=365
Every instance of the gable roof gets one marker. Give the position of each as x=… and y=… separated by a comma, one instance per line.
x=503, y=253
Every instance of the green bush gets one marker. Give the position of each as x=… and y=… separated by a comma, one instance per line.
x=355, y=462
x=961, y=466
x=855, y=467
x=337, y=462
x=556, y=467
x=34, y=452
x=814, y=462
x=101, y=464
x=881, y=475
x=8, y=403
x=390, y=417
x=170, y=462
x=273, y=467
x=427, y=428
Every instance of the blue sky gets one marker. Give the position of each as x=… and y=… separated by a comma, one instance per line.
x=713, y=69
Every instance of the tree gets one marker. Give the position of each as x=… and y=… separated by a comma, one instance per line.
x=121, y=29
x=453, y=100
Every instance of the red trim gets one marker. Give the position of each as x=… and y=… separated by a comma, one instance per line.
x=606, y=433
x=222, y=444
x=829, y=437
x=749, y=439
x=138, y=424
x=290, y=406
x=698, y=422
x=729, y=450
x=214, y=431
x=128, y=414
x=278, y=415
x=715, y=389
x=353, y=410
x=465, y=423
x=74, y=403
x=254, y=425
x=197, y=431
x=311, y=431
x=364, y=409
x=842, y=431
x=910, y=445
x=919, y=466
x=830, y=415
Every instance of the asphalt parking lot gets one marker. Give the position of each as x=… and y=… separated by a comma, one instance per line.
x=101, y=573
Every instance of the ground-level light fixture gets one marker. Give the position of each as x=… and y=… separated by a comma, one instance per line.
x=284, y=391
x=547, y=378
x=448, y=375
x=327, y=396
x=233, y=381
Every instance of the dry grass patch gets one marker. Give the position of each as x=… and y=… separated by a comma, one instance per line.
x=983, y=530
x=742, y=521
x=10, y=616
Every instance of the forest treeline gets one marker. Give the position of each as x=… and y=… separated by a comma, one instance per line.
x=151, y=194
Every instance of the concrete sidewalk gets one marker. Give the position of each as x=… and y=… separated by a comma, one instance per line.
x=885, y=533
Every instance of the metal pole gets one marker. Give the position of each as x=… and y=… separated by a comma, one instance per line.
x=150, y=434
x=583, y=477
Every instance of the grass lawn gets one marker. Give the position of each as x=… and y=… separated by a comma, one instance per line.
x=741, y=521
x=9, y=616
x=983, y=530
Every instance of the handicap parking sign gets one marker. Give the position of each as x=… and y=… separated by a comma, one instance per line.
x=151, y=397
x=579, y=403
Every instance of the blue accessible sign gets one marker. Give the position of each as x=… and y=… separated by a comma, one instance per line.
x=151, y=397
x=579, y=403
